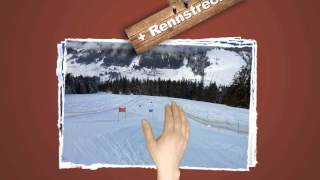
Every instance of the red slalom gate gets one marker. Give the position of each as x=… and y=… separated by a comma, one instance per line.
x=122, y=109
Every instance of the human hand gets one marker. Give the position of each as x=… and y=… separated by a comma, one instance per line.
x=167, y=150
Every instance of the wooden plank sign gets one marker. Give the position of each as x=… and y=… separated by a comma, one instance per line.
x=168, y=23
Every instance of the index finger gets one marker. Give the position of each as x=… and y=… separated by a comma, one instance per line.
x=168, y=121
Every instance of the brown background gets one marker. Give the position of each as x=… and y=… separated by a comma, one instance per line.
x=288, y=82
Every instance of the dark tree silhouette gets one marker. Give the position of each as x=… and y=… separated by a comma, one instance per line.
x=237, y=94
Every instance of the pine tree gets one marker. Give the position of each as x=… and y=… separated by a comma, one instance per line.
x=238, y=94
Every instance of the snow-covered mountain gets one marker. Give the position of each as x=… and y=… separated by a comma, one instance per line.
x=111, y=60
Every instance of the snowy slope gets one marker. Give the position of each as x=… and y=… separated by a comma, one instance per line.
x=93, y=134
x=224, y=64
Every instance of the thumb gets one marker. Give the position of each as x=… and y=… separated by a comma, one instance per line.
x=150, y=141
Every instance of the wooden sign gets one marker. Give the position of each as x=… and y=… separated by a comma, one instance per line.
x=168, y=22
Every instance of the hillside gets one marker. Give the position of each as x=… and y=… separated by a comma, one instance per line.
x=111, y=60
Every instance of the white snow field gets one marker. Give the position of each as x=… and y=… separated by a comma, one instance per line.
x=95, y=133
x=224, y=65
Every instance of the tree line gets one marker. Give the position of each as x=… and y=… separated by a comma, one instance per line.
x=237, y=94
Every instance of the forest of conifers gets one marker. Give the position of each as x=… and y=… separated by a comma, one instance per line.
x=237, y=94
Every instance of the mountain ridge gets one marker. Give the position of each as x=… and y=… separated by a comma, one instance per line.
x=110, y=60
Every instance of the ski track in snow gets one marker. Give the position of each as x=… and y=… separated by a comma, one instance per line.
x=93, y=134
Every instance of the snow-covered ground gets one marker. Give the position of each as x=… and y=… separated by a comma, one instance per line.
x=94, y=132
x=224, y=65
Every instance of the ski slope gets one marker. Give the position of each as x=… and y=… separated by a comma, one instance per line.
x=224, y=64
x=94, y=132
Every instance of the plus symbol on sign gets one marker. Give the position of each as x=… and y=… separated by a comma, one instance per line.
x=141, y=36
